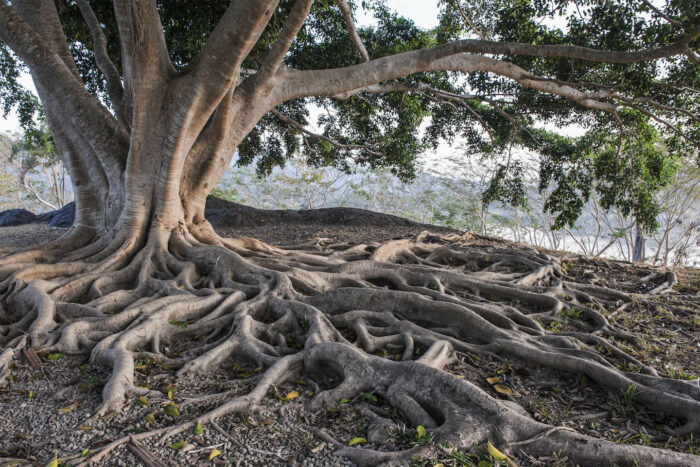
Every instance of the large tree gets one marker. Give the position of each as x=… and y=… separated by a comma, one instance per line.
x=149, y=101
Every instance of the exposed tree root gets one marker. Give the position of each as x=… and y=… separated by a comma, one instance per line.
x=291, y=310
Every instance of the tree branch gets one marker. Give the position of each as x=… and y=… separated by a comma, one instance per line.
x=274, y=57
x=339, y=80
x=104, y=63
x=461, y=63
x=661, y=14
x=144, y=52
x=466, y=18
x=217, y=66
x=293, y=123
x=352, y=30
x=57, y=82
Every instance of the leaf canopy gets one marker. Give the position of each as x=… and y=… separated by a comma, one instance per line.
x=623, y=156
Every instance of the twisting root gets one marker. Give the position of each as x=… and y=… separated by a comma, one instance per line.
x=123, y=298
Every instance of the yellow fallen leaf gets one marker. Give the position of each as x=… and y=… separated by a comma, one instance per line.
x=498, y=455
x=292, y=395
x=355, y=441
x=505, y=390
x=53, y=463
x=68, y=408
x=420, y=429
x=493, y=380
x=495, y=453
x=310, y=393
x=143, y=400
x=85, y=428
x=214, y=453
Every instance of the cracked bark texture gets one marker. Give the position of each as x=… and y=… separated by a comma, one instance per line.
x=141, y=255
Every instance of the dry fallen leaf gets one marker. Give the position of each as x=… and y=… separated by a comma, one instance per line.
x=493, y=380
x=319, y=447
x=505, y=390
x=68, y=408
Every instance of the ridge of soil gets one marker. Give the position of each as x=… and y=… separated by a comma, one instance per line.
x=44, y=411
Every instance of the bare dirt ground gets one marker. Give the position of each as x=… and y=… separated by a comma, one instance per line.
x=44, y=412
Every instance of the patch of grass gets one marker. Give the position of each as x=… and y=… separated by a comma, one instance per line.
x=623, y=403
x=677, y=374
x=477, y=457
x=406, y=437
x=571, y=313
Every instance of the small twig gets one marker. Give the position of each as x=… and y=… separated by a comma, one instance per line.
x=245, y=446
x=206, y=448
x=587, y=416
x=542, y=435
x=143, y=454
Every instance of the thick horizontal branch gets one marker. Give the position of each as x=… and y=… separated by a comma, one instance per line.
x=340, y=80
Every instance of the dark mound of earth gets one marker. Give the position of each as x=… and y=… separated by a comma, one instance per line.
x=62, y=218
x=13, y=217
x=222, y=213
x=225, y=214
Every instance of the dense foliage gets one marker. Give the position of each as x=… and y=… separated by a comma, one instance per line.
x=625, y=156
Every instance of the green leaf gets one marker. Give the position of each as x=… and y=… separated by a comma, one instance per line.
x=55, y=356
x=178, y=446
x=85, y=453
x=344, y=401
x=198, y=429
x=171, y=409
x=142, y=400
x=420, y=429
x=369, y=397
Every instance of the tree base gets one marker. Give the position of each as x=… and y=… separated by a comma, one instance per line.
x=376, y=321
